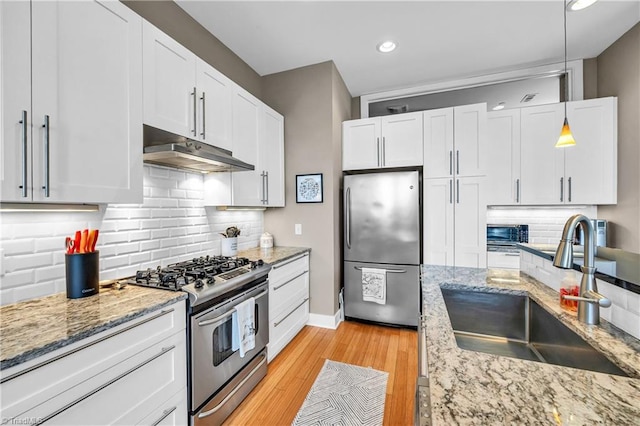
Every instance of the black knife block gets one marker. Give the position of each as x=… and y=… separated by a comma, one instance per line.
x=83, y=274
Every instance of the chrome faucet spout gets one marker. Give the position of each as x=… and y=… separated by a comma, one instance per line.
x=590, y=300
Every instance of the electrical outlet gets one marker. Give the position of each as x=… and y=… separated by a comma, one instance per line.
x=298, y=229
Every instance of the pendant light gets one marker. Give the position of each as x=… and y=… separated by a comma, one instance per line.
x=566, y=138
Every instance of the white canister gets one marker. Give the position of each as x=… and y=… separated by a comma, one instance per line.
x=266, y=240
x=229, y=246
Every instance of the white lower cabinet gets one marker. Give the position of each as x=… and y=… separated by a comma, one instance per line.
x=132, y=374
x=288, y=302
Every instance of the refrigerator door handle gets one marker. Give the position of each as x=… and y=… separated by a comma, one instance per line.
x=348, y=219
x=393, y=271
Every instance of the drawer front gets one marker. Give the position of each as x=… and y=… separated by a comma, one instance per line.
x=288, y=269
x=129, y=397
x=285, y=294
x=171, y=413
x=285, y=326
x=101, y=355
x=503, y=260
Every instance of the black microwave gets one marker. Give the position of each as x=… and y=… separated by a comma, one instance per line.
x=507, y=234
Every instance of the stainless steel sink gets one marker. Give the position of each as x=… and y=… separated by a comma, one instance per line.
x=517, y=327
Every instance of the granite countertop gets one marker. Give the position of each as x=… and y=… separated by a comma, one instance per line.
x=469, y=387
x=272, y=255
x=36, y=327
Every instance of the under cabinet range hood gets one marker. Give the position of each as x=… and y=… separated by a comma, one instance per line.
x=168, y=149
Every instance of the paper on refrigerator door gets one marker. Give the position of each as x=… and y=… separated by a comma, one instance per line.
x=374, y=285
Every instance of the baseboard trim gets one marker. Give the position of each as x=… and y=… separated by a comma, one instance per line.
x=325, y=321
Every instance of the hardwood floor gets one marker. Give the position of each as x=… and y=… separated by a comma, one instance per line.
x=278, y=397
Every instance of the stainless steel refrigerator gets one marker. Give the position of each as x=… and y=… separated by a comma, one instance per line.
x=382, y=218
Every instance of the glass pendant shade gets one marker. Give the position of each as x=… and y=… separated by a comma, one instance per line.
x=566, y=137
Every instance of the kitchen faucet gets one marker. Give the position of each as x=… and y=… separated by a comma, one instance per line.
x=590, y=300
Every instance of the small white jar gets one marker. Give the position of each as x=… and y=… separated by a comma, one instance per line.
x=266, y=240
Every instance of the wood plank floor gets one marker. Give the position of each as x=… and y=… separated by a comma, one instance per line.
x=279, y=396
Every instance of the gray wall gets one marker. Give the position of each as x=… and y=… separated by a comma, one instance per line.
x=174, y=21
x=618, y=74
x=314, y=101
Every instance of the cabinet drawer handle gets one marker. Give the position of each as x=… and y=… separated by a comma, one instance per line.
x=275, y=324
x=164, y=415
x=451, y=162
x=457, y=162
x=392, y=271
x=204, y=117
x=280, y=265
x=517, y=190
x=458, y=191
x=195, y=112
x=383, y=152
x=46, y=156
x=450, y=191
x=378, y=144
x=266, y=186
x=569, y=189
x=23, y=138
x=561, y=189
x=110, y=382
x=292, y=279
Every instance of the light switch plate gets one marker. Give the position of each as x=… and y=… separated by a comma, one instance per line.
x=298, y=229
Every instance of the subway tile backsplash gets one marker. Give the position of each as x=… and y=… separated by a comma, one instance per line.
x=172, y=224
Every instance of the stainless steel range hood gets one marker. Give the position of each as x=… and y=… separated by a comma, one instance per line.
x=168, y=149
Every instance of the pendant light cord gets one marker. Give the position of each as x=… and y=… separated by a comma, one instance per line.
x=566, y=76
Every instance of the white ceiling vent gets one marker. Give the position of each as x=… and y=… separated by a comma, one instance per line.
x=528, y=97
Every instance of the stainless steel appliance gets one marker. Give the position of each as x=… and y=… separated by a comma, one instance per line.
x=501, y=245
x=600, y=229
x=382, y=230
x=219, y=379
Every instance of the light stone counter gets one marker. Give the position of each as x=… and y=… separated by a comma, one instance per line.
x=274, y=254
x=36, y=327
x=469, y=387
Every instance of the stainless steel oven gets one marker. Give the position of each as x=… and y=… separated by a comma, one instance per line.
x=220, y=378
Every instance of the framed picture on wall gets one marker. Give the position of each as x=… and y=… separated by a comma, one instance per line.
x=309, y=188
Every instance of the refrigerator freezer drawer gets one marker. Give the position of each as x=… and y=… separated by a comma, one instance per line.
x=402, y=306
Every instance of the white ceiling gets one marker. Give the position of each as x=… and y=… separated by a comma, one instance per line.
x=437, y=40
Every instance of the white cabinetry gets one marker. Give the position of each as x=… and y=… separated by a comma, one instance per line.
x=288, y=302
x=183, y=94
x=132, y=374
x=272, y=157
x=581, y=174
x=503, y=157
x=388, y=141
x=454, y=203
x=71, y=111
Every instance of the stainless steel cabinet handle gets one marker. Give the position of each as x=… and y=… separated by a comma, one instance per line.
x=204, y=117
x=517, y=190
x=348, y=219
x=23, y=137
x=262, y=177
x=378, y=145
x=392, y=271
x=450, y=191
x=234, y=391
x=512, y=254
x=458, y=191
x=46, y=156
x=561, y=189
x=164, y=415
x=195, y=112
x=110, y=382
x=450, y=162
x=266, y=185
x=275, y=324
x=383, y=152
x=288, y=281
x=227, y=314
x=457, y=162
x=280, y=265
x=569, y=189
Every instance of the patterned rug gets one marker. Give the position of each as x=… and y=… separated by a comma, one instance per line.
x=344, y=394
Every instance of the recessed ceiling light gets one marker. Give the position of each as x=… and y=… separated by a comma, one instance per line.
x=574, y=5
x=386, y=46
x=498, y=107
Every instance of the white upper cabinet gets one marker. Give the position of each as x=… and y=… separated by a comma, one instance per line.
x=580, y=174
x=503, y=157
x=214, y=99
x=81, y=140
x=454, y=140
x=272, y=158
x=388, y=141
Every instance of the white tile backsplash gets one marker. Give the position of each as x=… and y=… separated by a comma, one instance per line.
x=170, y=225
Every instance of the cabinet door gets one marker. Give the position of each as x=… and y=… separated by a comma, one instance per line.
x=503, y=157
x=470, y=223
x=247, y=188
x=591, y=165
x=438, y=142
x=542, y=168
x=469, y=135
x=15, y=101
x=272, y=157
x=87, y=82
x=361, y=144
x=402, y=140
x=438, y=222
x=170, y=98
x=214, y=106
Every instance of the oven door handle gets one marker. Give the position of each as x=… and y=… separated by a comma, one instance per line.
x=228, y=314
x=234, y=391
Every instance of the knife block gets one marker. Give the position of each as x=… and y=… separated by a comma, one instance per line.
x=82, y=274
